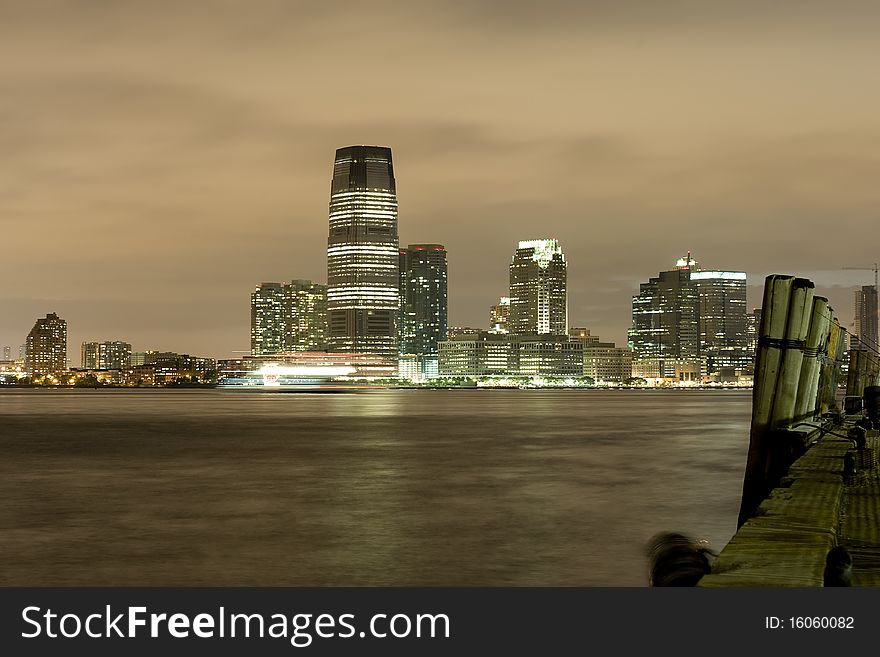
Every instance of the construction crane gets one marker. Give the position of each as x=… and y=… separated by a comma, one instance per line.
x=874, y=269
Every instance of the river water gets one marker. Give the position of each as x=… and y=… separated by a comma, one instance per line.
x=379, y=487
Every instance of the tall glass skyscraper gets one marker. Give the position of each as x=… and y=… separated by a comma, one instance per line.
x=690, y=315
x=538, y=301
x=864, y=336
x=423, y=298
x=721, y=308
x=362, y=253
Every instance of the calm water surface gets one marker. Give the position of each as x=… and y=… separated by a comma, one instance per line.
x=384, y=487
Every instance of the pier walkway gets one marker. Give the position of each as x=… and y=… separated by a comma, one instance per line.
x=814, y=509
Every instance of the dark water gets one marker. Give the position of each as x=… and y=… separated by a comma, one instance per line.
x=385, y=487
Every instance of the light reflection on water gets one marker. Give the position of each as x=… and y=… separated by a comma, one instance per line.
x=384, y=487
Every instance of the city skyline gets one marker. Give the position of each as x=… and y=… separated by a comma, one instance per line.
x=172, y=179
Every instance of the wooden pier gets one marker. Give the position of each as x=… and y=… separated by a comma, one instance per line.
x=814, y=509
x=812, y=481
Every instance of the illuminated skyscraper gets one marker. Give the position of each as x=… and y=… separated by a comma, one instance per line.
x=687, y=318
x=664, y=317
x=106, y=355
x=362, y=253
x=538, y=302
x=423, y=298
x=267, y=319
x=305, y=316
x=288, y=317
x=721, y=311
x=46, y=346
x=864, y=335
x=499, y=316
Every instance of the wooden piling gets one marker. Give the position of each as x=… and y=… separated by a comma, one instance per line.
x=768, y=359
x=799, y=315
x=816, y=344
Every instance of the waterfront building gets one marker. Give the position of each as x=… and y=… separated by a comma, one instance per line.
x=664, y=320
x=547, y=355
x=499, y=316
x=114, y=355
x=141, y=376
x=538, y=302
x=489, y=354
x=11, y=371
x=267, y=319
x=476, y=355
x=304, y=316
x=93, y=376
x=671, y=371
x=7, y=353
x=423, y=299
x=363, y=253
x=688, y=320
x=46, y=347
x=605, y=362
x=164, y=367
x=721, y=315
x=288, y=317
x=864, y=336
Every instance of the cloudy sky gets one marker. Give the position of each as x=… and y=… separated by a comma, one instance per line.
x=159, y=158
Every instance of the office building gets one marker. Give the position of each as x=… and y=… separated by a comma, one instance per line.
x=363, y=253
x=46, y=347
x=476, y=355
x=538, y=302
x=489, y=354
x=603, y=362
x=665, y=323
x=423, y=299
x=499, y=316
x=864, y=336
x=721, y=312
x=689, y=323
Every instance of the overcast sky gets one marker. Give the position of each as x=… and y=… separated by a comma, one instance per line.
x=159, y=158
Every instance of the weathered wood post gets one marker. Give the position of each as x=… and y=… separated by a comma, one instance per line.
x=799, y=315
x=854, y=384
x=836, y=351
x=816, y=344
x=768, y=359
x=830, y=368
